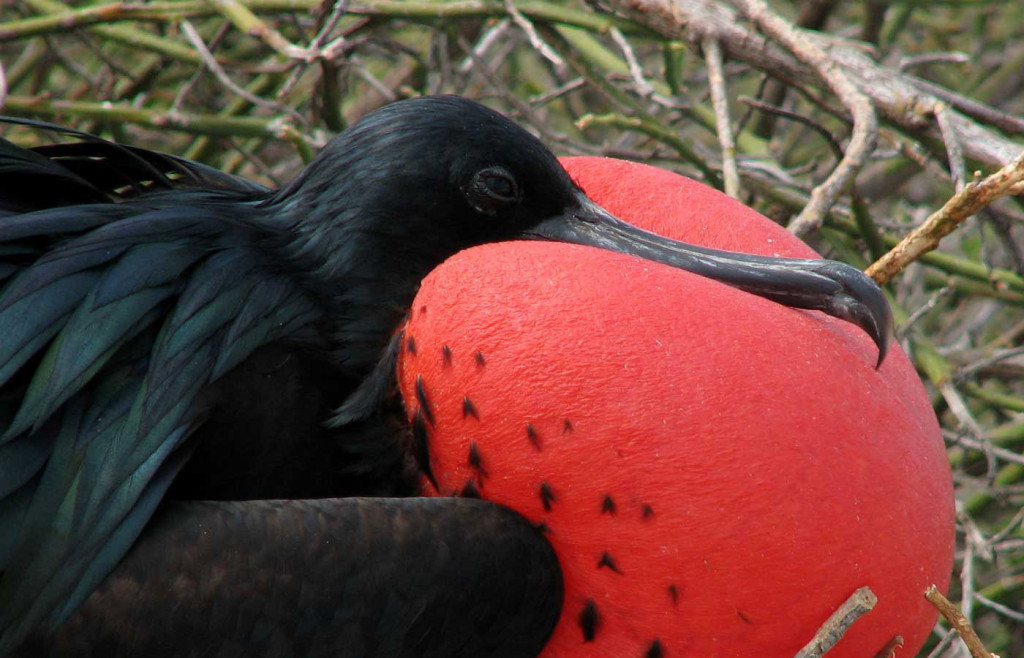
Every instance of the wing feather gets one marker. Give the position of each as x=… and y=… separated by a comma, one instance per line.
x=119, y=330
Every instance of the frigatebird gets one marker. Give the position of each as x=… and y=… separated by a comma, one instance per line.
x=173, y=334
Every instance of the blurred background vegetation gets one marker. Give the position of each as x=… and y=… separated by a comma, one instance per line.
x=254, y=87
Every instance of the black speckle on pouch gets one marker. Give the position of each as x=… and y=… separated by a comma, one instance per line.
x=468, y=408
x=479, y=356
x=607, y=562
x=410, y=345
x=476, y=461
x=646, y=511
x=531, y=434
x=589, y=620
x=446, y=353
x=421, y=396
x=547, y=496
x=470, y=490
x=656, y=650
x=420, y=446
x=607, y=505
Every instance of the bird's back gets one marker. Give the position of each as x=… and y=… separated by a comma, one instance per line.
x=140, y=319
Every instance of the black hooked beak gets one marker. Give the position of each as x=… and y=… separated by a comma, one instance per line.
x=836, y=288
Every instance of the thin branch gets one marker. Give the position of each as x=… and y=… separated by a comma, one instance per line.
x=643, y=86
x=337, y=12
x=720, y=102
x=1000, y=608
x=958, y=622
x=907, y=63
x=561, y=90
x=954, y=153
x=833, y=143
x=943, y=644
x=901, y=99
x=860, y=603
x=524, y=24
x=969, y=370
x=127, y=35
x=890, y=647
x=920, y=312
x=484, y=43
x=961, y=206
x=655, y=130
x=249, y=23
x=218, y=72
x=200, y=124
x=865, y=124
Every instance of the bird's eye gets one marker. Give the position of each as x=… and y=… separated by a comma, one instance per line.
x=500, y=186
x=491, y=189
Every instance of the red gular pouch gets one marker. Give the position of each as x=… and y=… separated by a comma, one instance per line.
x=716, y=472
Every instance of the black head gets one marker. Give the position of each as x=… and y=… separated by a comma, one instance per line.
x=419, y=180
x=443, y=171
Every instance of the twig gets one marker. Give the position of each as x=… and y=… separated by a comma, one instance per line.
x=372, y=80
x=69, y=19
x=962, y=205
x=186, y=89
x=860, y=602
x=919, y=312
x=337, y=12
x=954, y=153
x=974, y=543
x=969, y=370
x=907, y=63
x=1000, y=608
x=903, y=100
x=1007, y=402
x=224, y=79
x=959, y=623
x=249, y=23
x=524, y=24
x=484, y=43
x=958, y=407
x=972, y=108
x=130, y=36
x=889, y=649
x=720, y=102
x=640, y=82
x=833, y=143
x=940, y=648
x=560, y=90
x=656, y=131
x=200, y=124
x=865, y=124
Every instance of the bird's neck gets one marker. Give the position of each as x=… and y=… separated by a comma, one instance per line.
x=364, y=276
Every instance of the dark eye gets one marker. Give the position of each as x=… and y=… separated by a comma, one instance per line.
x=499, y=185
x=491, y=189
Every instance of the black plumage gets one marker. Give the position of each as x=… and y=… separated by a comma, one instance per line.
x=170, y=331
x=308, y=591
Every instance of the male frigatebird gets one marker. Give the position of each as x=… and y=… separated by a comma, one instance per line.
x=172, y=333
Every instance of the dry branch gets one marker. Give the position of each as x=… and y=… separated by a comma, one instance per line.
x=972, y=198
x=720, y=101
x=865, y=125
x=860, y=603
x=900, y=99
x=958, y=622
